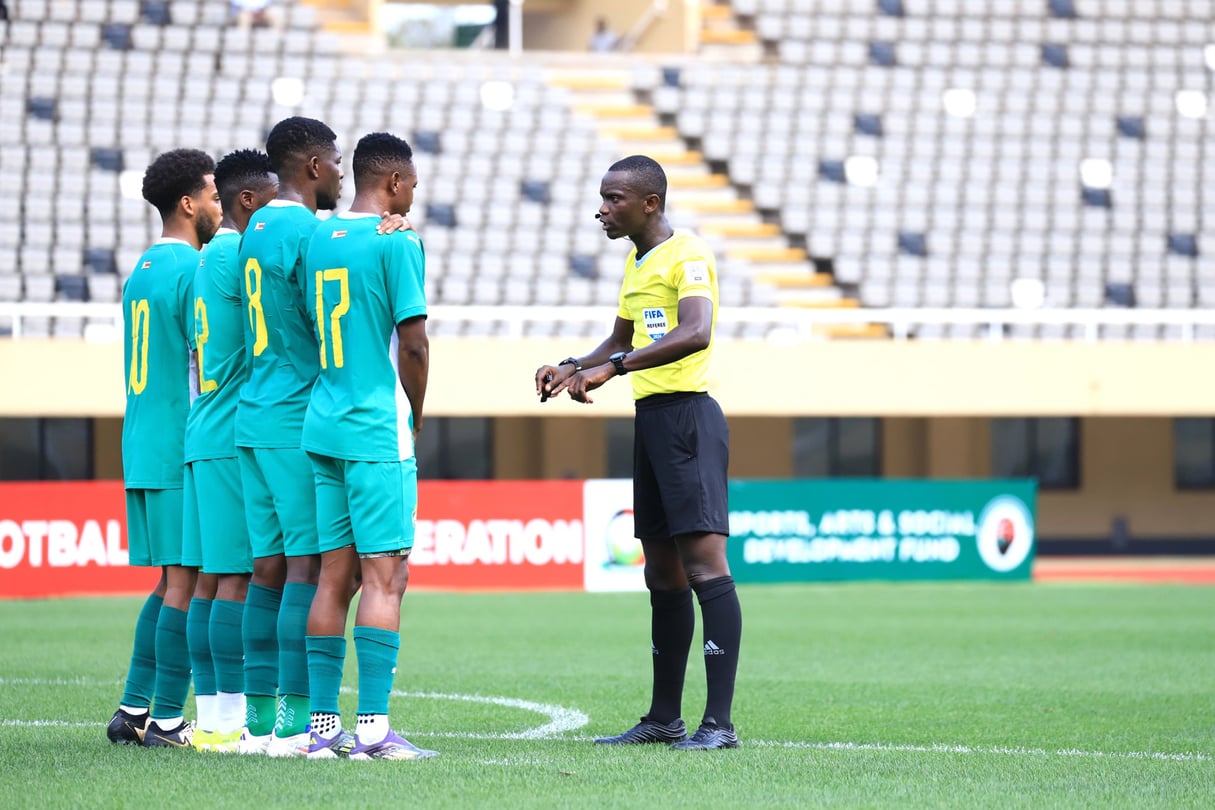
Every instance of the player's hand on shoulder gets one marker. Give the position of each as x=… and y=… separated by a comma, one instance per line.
x=391, y=223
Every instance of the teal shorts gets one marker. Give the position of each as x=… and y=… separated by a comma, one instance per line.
x=217, y=514
x=154, y=522
x=191, y=532
x=372, y=505
x=280, y=501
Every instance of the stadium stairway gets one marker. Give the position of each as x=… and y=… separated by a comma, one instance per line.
x=702, y=198
x=724, y=33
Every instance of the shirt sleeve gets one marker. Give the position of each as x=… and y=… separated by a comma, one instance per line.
x=693, y=277
x=405, y=267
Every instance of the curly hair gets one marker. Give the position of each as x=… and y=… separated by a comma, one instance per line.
x=379, y=153
x=175, y=174
x=297, y=138
x=646, y=176
x=241, y=170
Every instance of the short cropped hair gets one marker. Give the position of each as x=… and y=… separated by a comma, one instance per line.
x=379, y=153
x=175, y=174
x=647, y=176
x=297, y=138
x=240, y=170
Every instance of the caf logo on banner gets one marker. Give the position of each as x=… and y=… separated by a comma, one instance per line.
x=1005, y=534
x=623, y=549
x=613, y=559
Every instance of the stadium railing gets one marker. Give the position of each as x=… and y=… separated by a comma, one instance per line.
x=783, y=324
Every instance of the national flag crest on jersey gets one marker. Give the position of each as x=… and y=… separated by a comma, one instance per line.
x=338, y=234
x=145, y=265
x=261, y=226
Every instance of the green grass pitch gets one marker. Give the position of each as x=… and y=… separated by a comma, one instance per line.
x=849, y=695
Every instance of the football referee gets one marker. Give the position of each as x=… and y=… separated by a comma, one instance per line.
x=663, y=337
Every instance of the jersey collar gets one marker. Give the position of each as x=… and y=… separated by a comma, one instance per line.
x=284, y=203
x=171, y=240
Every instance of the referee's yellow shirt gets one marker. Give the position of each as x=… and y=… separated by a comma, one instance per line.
x=681, y=267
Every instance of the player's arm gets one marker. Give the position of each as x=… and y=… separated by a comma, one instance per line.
x=550, y=380
x=405, y=267
x=413, y=363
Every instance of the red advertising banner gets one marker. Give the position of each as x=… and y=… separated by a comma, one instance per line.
x=498, y=535
x=61, y=539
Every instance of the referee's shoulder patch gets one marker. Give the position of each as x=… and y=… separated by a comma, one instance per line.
x=696, y=272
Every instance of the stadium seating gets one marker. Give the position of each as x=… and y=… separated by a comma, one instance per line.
x=935, y=150
x=915, y=152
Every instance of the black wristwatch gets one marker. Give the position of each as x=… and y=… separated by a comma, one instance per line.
x=618, y=361
x=571, y=361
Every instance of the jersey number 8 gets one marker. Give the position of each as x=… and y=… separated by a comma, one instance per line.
x=257, y=316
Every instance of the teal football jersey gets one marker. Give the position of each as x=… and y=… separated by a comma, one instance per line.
x=280, y=339
x=219, y=336
x=360, y=286
x=156, y=352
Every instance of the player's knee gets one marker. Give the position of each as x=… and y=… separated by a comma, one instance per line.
x=270, y=572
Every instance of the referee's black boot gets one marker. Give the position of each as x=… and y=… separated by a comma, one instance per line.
x=708, y=737
x=649, y=731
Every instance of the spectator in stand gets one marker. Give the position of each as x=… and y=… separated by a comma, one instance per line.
x=252, y=14
x=604, y=39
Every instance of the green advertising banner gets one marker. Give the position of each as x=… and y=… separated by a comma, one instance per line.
x=813, y=529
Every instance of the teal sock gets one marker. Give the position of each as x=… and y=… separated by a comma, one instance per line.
x=326, y=658
x=292, y=629
x=172, y=664
x=141, y=675
x=259, y=632
x=227, y=648
x=198, y=639
x=377, y=651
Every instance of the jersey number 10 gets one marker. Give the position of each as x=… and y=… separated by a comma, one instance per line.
x=141, y=320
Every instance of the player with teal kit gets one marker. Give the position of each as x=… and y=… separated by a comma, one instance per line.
x=157, y=308
x=216, y=536
x=367, y=302
x=276, y=476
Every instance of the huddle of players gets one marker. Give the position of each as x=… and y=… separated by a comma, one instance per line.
x=284, y=360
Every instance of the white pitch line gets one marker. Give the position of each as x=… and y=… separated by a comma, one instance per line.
x=940, y=748
x=562, y=720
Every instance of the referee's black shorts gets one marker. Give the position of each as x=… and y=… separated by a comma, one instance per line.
x=681, y=455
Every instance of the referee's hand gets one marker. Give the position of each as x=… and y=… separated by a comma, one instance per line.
x=579, y=385
x=547, y=378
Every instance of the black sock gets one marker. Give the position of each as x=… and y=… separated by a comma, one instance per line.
x=672, y=622
x=722, y=617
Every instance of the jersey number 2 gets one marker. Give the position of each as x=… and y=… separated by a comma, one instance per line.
x=201, y=333
x=342, y=276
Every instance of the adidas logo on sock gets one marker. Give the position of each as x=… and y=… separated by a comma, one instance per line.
x=713, y=649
